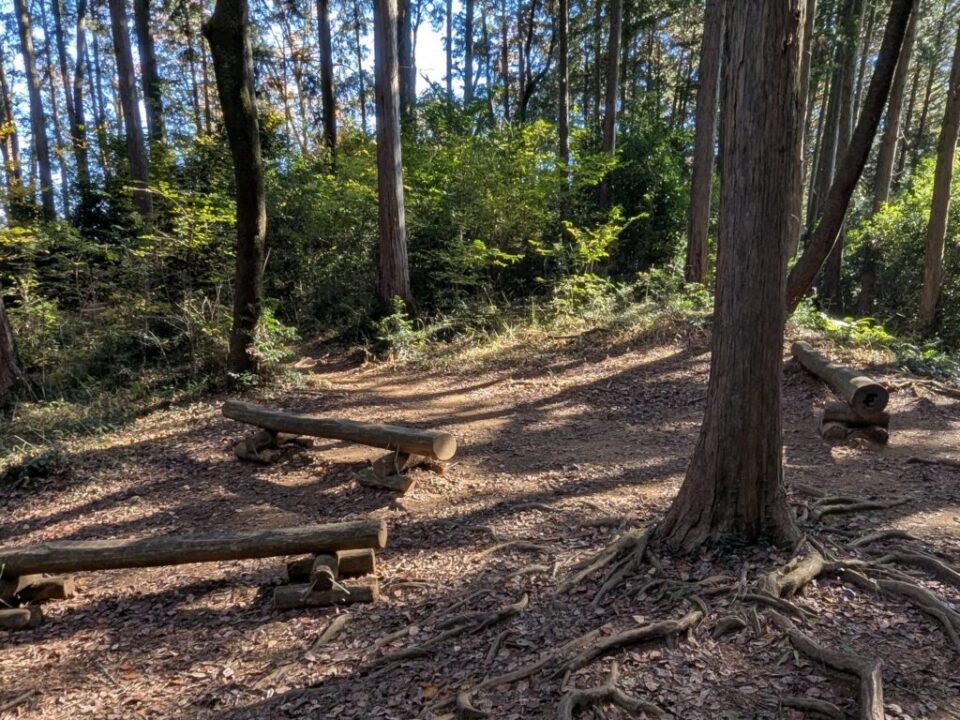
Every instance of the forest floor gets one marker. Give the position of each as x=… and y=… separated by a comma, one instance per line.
x=563, y=446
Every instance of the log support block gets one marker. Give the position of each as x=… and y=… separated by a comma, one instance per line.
x=24, y=618
x=350, y=564
x=288, y=597
x=397, y=483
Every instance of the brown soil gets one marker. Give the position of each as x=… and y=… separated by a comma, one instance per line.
x=567, y=449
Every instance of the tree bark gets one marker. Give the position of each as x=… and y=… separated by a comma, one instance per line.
x=358, y=51
x=87, y=555
x=563, y=111
x=468, y=10
x=449, y=48
x=10, y=377
x=940, y=207
x=928, y=91
x=704, y=141
x=393, y=275
x=847, y=60
x=734, y=484
x=38, y=118
x=891, y=130
x=505, y=57
x=149, y=78
x=18, y=205
x=613, y=77
x=407, y=71
x=227, y=31
x=851, y=168
x=327, y=96
x=79, y=121
x=130, y=107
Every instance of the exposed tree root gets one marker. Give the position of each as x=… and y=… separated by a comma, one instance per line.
x=529, y=570
x=523, y=545
x=793, y=576
x=627, y=551
x=785, y=606
x=935, y=567
x=728, y=624
x=466, y=710
x=333, y=629
x=873, y=537
x=606, y=693
x=945, y=462
x=807, y=704
x=842, y=505
x=666, y=630
x=866, y=671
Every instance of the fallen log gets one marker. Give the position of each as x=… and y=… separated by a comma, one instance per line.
x=288, y=597
x=23, y=618
x=79, y=555
x=864, y=395
x=841, y=412
x=431, y=443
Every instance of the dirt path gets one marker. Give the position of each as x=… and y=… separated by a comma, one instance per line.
x=562, y=449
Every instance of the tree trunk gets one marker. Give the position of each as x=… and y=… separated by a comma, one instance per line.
x=505, y=57
x=150, y=80
x=928, y=91
x=328, y=99
x=393, y=275
x=613, y=77
x=358, y=51
x=853, y=9
x=79, y=121
x=449, y=48
x=940, y=207
x=59, y=146
x=18, y=206
x=734, y=484
x=468, y=52
x=130, y=107
x=10, y=377
x=227, y=31
x=851, y=168
x=563, y=112
x=407, y=72
x=891, y=131
x=866, y=54
x=38, y=118
x=806, y=105
x=701, y=183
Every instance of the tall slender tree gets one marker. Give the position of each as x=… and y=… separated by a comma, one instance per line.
x=734, y=484
x=149, y=76
x=701, y=184
x=407, y=60
x=393, y=274
x=130, y=107
x=228, y=33
x=940, y=207
x=17, y=206
x=837, y=200
x=469, y=12
x=328, y=97
x=613, y=77
x=38, y=116
x=10, y=375
x=563, y=111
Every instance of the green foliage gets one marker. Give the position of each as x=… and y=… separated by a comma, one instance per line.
x=398, y=333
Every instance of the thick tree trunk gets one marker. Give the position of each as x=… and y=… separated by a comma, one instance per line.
x=38, y=118
x=613, y=77
x=87, y=555
x=327, y=96
x=10, y=377
x=940, y=207
x=468, y=10
x=393, y=275
x=704, y=141
x=130, y=107
x=227, y=31
x=734, y=485
x=851, y=168
x=149, y=78
x=563, y=111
